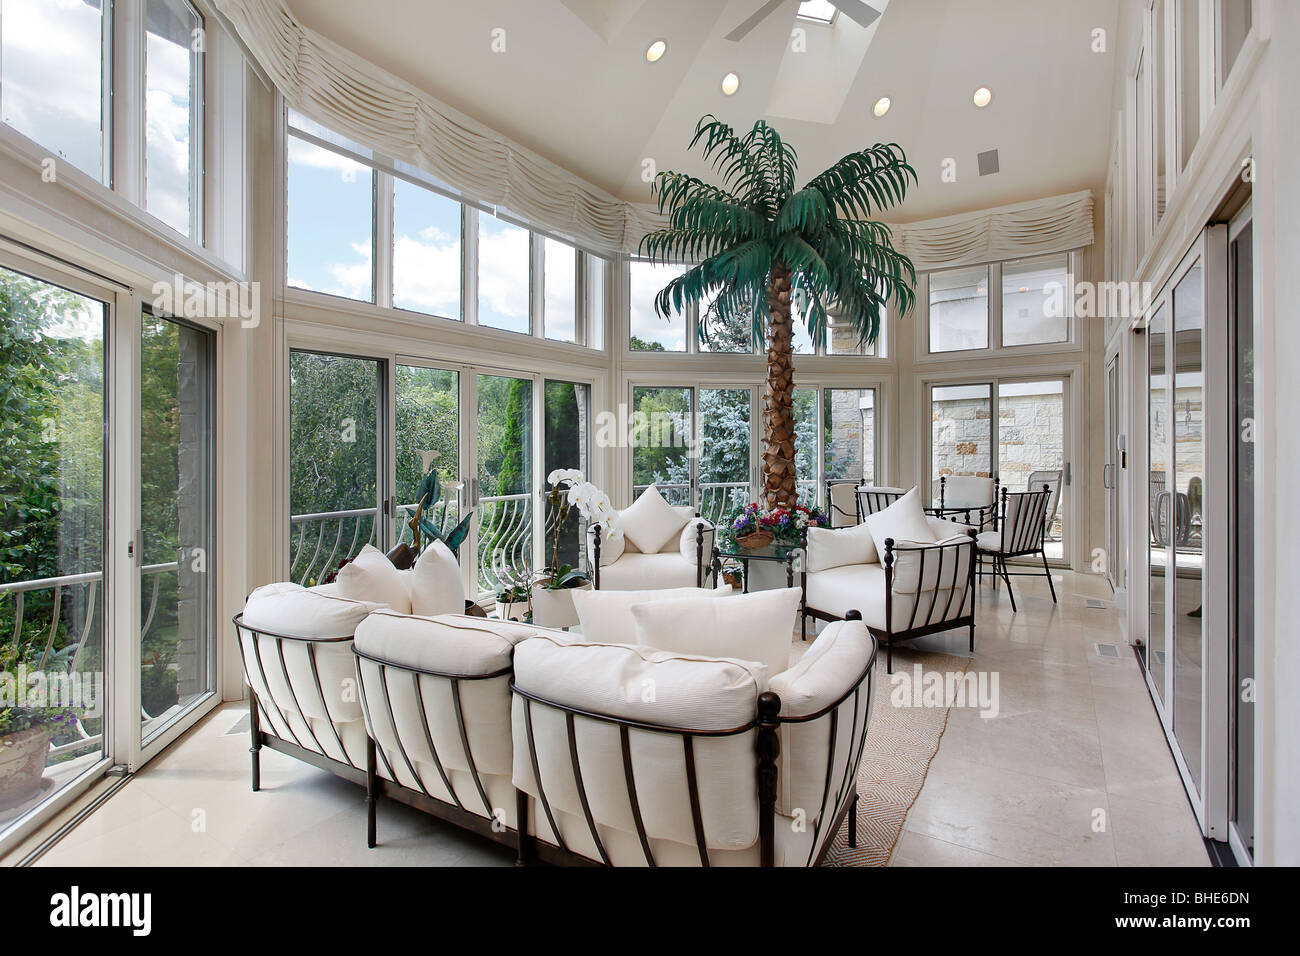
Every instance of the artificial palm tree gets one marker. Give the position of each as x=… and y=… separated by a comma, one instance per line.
x=766, y=250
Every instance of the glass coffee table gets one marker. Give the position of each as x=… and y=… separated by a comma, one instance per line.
x=790, y=555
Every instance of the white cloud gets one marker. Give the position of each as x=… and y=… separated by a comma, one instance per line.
x=426, y=275
x=503, y=274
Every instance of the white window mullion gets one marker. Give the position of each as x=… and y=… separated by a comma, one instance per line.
x=383, y=239
x=128, y=98
x=469, y=265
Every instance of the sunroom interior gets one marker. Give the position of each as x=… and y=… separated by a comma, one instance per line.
x=268, y=265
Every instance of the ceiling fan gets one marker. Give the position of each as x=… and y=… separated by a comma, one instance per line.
x=857, y=11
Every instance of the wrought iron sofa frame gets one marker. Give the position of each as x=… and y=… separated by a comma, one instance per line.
x=529, y=848
x=889, y=635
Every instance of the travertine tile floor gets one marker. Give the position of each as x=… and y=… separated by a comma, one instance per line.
x=1073, y=771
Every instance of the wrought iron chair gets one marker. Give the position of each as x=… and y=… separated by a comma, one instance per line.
x=1052, y=478
x=842, y=504
x=873, y=498
x=1023, y=528
x=972, y=499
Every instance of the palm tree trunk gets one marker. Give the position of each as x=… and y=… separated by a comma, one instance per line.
x=779, y=487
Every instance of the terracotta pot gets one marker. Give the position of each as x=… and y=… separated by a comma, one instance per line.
x=755, y=540
x=22, y=765
x=555, y=608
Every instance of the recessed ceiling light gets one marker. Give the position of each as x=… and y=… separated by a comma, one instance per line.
x=656, y=50
x=730, y=83
x=882, y=106
x=983, y=97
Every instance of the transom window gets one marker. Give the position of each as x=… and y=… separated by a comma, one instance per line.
x=1020, y=302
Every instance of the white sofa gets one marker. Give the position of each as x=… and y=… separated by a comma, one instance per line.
x=544, y=742
x=910, y=587
x=656, y=546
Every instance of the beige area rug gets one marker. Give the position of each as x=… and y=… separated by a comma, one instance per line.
x=901, y=742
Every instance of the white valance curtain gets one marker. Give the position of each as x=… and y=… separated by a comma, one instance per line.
x=352, y=96
x=1036, y=228
x=349, y=94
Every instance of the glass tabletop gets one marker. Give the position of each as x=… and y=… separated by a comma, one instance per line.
x=775, y=551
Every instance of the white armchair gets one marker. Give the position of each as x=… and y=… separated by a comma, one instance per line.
x=654, y=546
x=920, y=581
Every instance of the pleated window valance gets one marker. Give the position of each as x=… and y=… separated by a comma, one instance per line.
x=1036, y=228
x=347, y=93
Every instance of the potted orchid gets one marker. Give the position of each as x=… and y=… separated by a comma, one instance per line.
x=553, y=587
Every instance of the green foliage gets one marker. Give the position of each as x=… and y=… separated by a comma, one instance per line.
x=755, y=220
x=16, y=718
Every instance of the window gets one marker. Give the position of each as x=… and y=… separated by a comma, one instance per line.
x=560, y=288
x=724, y=464
x=428, y=418
x=842, y=338
x=334, y=430
x=961, y=437
x=52, y=78
x=1033, y=291
x=173, y=77
x=331, y=222
x=819, y=11
x=959, y=310
x=567, y=445
x=650, y=332
x=1189, y=79
x=505, y=479
x=731, y=336
x=806, y=453
x=426, y=251
x=1235, y=19
x=1159, y=133
x=1031, y=448
x=503, y=275
x=661, y=442
x=849, y=427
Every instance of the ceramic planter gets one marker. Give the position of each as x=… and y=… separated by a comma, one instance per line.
x=555, y=608
x=22, y=765
x=512, y=609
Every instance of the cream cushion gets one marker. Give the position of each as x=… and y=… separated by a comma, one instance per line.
x=834, y=547
x=651, y=522
x=607, y=615
x=827, y=670
x=748, y=627
x=612, y=546
x=686, y=544
x=434, y=584
x=644, y=572
x=370, y=576
x=448, y=643
x=287, y=608
x=968, y=491
x=651, y=686
x=843, y=505
x=904, y=520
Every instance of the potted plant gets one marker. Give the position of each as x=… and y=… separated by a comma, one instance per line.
x=553, y=588
x=513, y=602
x=26, y=726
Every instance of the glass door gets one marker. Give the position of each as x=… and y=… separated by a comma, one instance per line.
x=428, y=418
x=177, y=477
x=335, y=461
x=53, y=480
x=661, y=446
x=1115, y=463
x=849, y=435
x=1241, y=620
x=1159, y=521
x=1033, y=434
x=725, y=464
x=1186, y=497
x=503, y=485
x=566, y=444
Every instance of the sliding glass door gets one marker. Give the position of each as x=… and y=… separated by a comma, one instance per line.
x=503, y=481
x=177, y=514
x=53, y=493
x=726, y=451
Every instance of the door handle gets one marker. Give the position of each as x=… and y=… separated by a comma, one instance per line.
x=1106, y=473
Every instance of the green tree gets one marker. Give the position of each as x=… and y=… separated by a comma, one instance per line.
x=766, y=250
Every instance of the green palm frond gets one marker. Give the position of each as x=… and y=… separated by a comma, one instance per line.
x=737, y=230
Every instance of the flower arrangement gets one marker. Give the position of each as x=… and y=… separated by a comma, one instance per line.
x=785, y=525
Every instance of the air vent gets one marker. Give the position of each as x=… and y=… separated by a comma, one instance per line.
x=1095, y=604
x=988, y=161
x=1107, y=650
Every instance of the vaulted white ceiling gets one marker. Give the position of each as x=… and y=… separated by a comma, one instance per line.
x=569, y=79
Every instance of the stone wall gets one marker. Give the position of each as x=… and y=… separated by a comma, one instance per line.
x=850, y=436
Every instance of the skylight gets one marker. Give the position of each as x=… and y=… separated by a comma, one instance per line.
x=820, y=11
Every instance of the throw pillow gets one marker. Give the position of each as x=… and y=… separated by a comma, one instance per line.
x=606, y=616
x=837, y=547
x=370, y=576
x=750, y=627
x=651, y=522
x=904, y=520
x=435, y=584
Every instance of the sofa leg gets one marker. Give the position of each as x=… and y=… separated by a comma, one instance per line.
x=521, y=828
x=255, y=729
x=972, y=638
x=853, y=822
x=372, y=785
x=889, y=657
